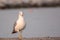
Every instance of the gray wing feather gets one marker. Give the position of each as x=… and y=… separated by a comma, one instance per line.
x=14, y=27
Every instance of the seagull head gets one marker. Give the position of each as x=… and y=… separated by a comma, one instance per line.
x=21, y=13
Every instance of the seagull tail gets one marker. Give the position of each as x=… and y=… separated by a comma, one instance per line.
x=14, y=32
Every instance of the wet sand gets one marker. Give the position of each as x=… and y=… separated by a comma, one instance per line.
x=41, y=38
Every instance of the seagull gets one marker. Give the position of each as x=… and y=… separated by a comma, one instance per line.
x=19, y=25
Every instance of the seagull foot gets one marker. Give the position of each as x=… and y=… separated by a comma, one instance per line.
x=20, y=38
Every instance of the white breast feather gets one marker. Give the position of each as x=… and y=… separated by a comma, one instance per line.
x=20, y=24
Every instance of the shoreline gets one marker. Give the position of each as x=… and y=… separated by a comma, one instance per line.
x=38, y=38
x=26, y=5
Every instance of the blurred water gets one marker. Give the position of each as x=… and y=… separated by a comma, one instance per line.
x=40, y=22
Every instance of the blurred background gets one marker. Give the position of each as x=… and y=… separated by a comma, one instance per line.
x=42, y=17
x=28, y=3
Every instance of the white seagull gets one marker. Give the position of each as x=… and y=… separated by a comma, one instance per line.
x=19, y=25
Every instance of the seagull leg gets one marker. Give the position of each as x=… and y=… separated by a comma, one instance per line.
x=20, y=35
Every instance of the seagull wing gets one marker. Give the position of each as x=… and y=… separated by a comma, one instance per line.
x=14, y=28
